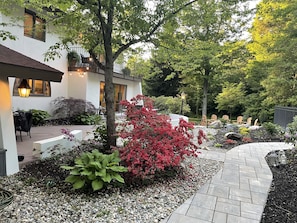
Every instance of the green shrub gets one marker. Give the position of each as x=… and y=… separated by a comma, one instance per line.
x=272, y=129
x=39, y=116
x=100, y=135
x=223, y=121
x=210, y=136
x=95, y=169
x=290, y=135
x=244, y=131
x=170, y=105
x=87, y=119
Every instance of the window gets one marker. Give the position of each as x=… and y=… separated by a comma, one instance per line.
x=119, y=94
x=38, y=87
x=34, y=26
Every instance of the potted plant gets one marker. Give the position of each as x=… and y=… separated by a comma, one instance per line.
x=73, y=58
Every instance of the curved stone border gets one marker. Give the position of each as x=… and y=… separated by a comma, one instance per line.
x=237, y=193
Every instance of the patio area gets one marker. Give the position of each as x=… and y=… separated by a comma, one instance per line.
x=44, y=132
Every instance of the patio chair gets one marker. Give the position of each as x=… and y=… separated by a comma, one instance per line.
x=23, y=122
x=249, y=121
x=239, y=120
x=226, y=117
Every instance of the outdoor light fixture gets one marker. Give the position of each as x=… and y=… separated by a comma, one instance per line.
x=24, y=89
x=183, y=97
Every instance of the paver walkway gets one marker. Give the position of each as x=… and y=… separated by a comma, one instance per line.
x=237, y=193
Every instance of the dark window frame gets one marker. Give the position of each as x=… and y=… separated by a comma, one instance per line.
x=34, y=32
x=32, y=85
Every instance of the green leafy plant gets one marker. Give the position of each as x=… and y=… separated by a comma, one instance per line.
x=87, y=119
x=272, y=129
x=290, y=135
x=73, y=58
x=218, y=145
x=39, y=116
x=170, y=105
x=95, y=169
x=210, y=136
x=224, y=122
x=244, y=131
x=100, y=135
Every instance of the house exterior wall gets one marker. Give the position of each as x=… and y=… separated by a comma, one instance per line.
x=90, y=90
x=72, y=85
x=86, y=87
x=35, y=49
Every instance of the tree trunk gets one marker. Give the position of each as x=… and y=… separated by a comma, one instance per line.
x=109, y=96
x=110, y=111
x=204, y=99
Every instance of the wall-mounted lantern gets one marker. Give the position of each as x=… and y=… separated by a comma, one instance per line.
x=24, y=89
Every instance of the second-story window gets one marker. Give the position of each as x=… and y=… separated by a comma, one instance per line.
x=34, y=26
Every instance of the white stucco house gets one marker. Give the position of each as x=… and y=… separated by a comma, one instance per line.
x=82, y=80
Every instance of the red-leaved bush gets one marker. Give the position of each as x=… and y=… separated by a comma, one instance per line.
x=151, y=143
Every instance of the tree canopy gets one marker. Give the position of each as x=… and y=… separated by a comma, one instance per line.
x=107, y=27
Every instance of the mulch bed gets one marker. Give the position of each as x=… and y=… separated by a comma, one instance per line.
x=281, y=205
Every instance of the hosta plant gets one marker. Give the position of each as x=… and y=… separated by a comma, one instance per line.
x=95, y=169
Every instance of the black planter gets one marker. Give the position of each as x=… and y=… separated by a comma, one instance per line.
x=21, y=158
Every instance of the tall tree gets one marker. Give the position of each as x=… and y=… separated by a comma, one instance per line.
x=163, y=80
x=231, y=98
x=201, y=40
x=281, y=83
x=272, y=72
x=107, y=27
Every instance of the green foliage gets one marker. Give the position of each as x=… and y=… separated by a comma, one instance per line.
x=163, y=80
x=73, y=57
x=4, y=35
x=170, y=105
x=87, y=119
x=39, y=116
x=95, y=169
x=272, y=129
x=231, y=97
x=224, y=122
x=291, y=132
x=210, y=136
x=100, y=135
x=244, y=130
x=272, y=70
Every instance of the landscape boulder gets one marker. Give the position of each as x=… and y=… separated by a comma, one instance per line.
x=234, y=136
x=216, y=124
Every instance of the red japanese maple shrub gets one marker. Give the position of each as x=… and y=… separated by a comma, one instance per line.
x=151, y=143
